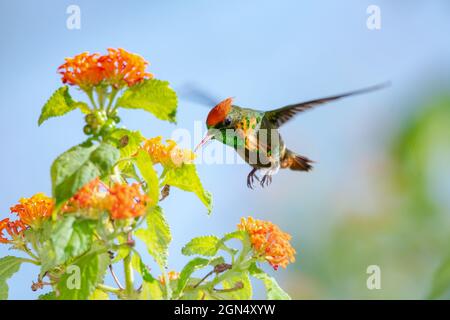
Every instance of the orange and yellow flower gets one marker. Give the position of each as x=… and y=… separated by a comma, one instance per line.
x=121, y=200
x=33, y=211
x=269, y=242
x=83, y=70
x=169, y=155
x=123, y=68
x=90, y=199
x=126, y=201
x=3, y=226
x=13, y=228
x=171, y=275
x=117, y=68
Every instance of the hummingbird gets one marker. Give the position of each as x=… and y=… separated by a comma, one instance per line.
x=255, y=136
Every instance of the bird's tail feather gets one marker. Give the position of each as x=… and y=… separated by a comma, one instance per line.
x=296, y=162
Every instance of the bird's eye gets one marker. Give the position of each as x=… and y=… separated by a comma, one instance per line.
x=227, y=121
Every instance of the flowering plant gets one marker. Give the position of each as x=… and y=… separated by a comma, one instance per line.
x=106, y=194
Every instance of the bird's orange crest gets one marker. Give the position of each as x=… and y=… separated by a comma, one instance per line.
x=219, y=112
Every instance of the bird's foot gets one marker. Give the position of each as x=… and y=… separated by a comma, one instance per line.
x=251, y=178
x=266, y=180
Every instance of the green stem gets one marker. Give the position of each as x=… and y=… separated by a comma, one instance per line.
x=100, y=96
x=235, y=270
x=30, y=261
x=167, y=283
x=106, y=288
x=91, y=98
x=30, y=253
x=112, y=96
x=128, y=270
x=123, y=160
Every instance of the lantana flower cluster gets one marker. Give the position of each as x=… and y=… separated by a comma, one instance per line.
x=31, y=212
x=269, y=242
x=121, y=200
x=170, y=155
x=117, y=68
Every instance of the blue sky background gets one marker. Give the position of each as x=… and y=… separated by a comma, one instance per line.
x=264, y=53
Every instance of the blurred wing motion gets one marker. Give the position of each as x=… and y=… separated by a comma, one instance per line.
x=280, y=116
x=196, y=94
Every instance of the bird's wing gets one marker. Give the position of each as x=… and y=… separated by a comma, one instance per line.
x=280, y=116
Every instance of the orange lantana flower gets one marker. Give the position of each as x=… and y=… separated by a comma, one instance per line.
x=172, y=275
x=82, y=70
x=90, y=199
x=168, y=155
x=3, y=226
x=269, y=242
x=33, y=211
x=13, y=228
x=121, y=200
x=121, y=67
x=126, y=201
x=117, y=68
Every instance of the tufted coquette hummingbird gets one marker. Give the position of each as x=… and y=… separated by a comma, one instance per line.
x=255, y=135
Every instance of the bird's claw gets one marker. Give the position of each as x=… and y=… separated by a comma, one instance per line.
x=266, y=180
x=251, y=178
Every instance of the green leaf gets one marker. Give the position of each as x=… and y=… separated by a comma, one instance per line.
x=83, y=106
x=123, y=251
x=154, y=96
x=151, y=287
x=273, y=290
x=9, y=265
x=99, y=295
x=133, y=139
x=245, y=293
x=80, y=279
x=188, y=270
x=205, y=246
x=157, y=236
x=59, y=104
x=216, y=260
x=68, y=238
x=441, y=281
x=140, y=267
x=151, y=291
x=80, y=165
x=186, y=178
x=48, y=296
x=145, y=166
x=238, y=235
x=194, y=295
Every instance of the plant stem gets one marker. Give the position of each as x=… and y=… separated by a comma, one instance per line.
x=112, y=96
x=167, y=283
x=116, y=279
x=108, y=288
x=30, y=253
x=128, y=270
x=235, y=270
x=91, y=98
x=30, y=261
x=100, y=96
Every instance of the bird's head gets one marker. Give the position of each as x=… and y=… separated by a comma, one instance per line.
x=219, y=119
